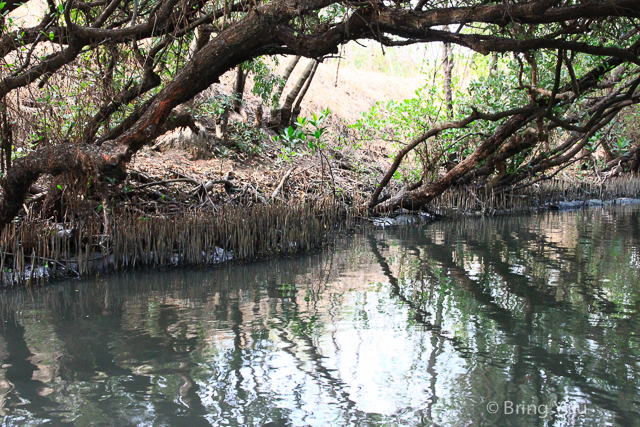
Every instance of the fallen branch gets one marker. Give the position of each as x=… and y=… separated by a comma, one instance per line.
x=161, y=196
x=169, y=181
x=139, y=176
x=36, y=198
x=281, y=184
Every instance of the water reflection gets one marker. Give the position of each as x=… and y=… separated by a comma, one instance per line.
x=422, y=326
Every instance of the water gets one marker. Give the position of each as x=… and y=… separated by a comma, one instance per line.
x=508, y=321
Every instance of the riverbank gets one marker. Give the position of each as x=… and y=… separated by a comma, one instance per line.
x=35, y=251
x=38, y=251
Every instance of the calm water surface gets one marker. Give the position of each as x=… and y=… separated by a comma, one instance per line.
x=526, y=321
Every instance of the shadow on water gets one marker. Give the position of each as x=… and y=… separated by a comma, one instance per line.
x=431, y=325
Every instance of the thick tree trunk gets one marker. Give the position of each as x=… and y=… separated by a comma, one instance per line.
x=91, y=160
x=516, y=144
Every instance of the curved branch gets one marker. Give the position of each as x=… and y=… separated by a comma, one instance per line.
x=475, y=115
x=149, y=81
x=538, y=12
x=486, y=44
x=421, y=198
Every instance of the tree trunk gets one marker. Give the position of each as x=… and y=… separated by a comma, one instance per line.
x=635, y=166
x=202, y=36
x=274, y=117
x=222, y=123
x=306, y=85
x=7, y=137
x=494, y=64
x=54, y=160
x=447, y=65
x=200, y=40
x=293, y=94
x=258, y=119
x=296, y=107
x=608, y=156
x=238, y=88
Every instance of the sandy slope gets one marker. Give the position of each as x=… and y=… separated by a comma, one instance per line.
x=356, y=90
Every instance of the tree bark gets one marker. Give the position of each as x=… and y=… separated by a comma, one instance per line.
x=493, y=68
x=447, y=64
x=293, y=94
x=296, y=107
x=91, y=160
x=6, y=135
x=635, y=166
x=200, y=40
x=258, y=116
x=238, y=88
x=274, y=117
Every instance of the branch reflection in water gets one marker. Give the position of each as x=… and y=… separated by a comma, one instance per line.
x=417, y=326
